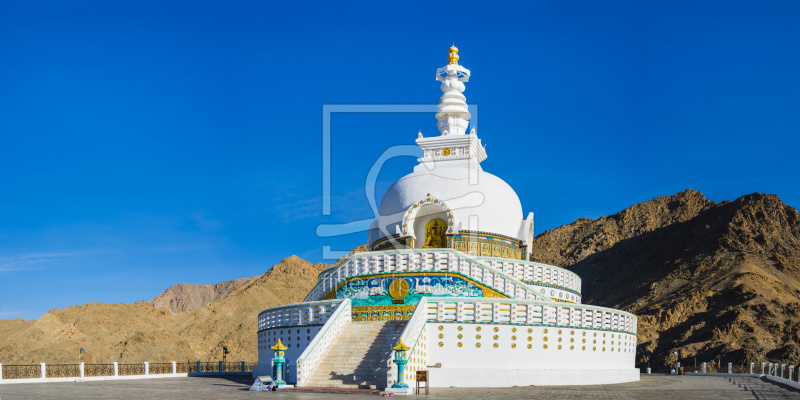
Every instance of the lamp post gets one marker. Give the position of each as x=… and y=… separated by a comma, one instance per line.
x=401, y=359
x=279, y=360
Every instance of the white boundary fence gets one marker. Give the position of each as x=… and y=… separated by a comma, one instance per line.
x=781, y=373
x=80, y=375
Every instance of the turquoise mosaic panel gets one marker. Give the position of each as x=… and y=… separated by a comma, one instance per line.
x=375, y=291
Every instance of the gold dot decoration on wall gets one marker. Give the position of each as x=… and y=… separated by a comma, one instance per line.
x=530, y=346
x=584, y=341
x=559, y=347
x=441, y=336
x=559, y=331
x=478, y=328
x=545, y=346
x=572, y=347
x=495, y=337
x=545, y=338
x=604, y=335
x=584, y=333
x=571, y=332
x=594, y=341
x=514, y=329
x=559, y=340
x=460, y=328
x=478, y=336
x=446, y=152
x=513, y=337
x=594, y=348
x=478, y=345
x=496, y=329
x=441, y=344
x=572, y=340
x=595, y=334
x=604, y=349
x=460, y=336
x=496, y=345
x=530, y=330
x=583, y=348
x=513, y=345
x=530, y=338
x=459, y=344
x=545, y=331
x=441, y=327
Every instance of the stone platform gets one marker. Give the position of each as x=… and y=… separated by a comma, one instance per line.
x=650, y=387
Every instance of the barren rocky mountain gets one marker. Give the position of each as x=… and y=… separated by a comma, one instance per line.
x=188, y=297
x=133, y=333
x=706, y=279
x=712, y=280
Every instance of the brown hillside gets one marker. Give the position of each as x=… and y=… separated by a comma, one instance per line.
x=188, y=297
x=712, y=280
x=132, y=333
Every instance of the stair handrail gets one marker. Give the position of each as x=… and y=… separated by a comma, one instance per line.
x=332, y=278
x=411, y=334
x=315, y=350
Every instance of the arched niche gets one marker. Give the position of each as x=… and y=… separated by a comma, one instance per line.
x=419, y=217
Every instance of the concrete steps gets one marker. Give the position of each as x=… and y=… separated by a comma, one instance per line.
x=358, y=358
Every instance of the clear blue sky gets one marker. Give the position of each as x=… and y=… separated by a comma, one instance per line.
x=144, y=144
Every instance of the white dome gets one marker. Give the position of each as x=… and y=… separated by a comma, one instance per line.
x=489, y=202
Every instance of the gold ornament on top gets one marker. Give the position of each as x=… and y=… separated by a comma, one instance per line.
x=453, y=56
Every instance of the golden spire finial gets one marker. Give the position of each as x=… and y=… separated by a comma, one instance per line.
x=279, y=346
x=400, y=346
x=453, y=56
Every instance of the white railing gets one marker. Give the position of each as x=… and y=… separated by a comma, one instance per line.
x=412, y=337
x=484, y=310
x=316, y=350
x=310, y=313
x=439, y=260
x=536, y=273
x=42, y=372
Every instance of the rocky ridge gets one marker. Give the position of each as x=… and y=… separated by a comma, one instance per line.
x=716, y=281
x=138, y=332
x=189, y=297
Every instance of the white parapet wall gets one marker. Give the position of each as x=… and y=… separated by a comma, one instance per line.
x=520, y=343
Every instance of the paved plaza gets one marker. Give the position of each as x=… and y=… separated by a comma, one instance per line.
x=651, y=387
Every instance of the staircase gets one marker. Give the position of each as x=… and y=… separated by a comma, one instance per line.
x=358, y=357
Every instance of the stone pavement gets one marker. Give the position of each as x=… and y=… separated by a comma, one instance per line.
x=651, y=387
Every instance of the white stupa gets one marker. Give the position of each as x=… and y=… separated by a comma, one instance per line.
x=449, y=275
